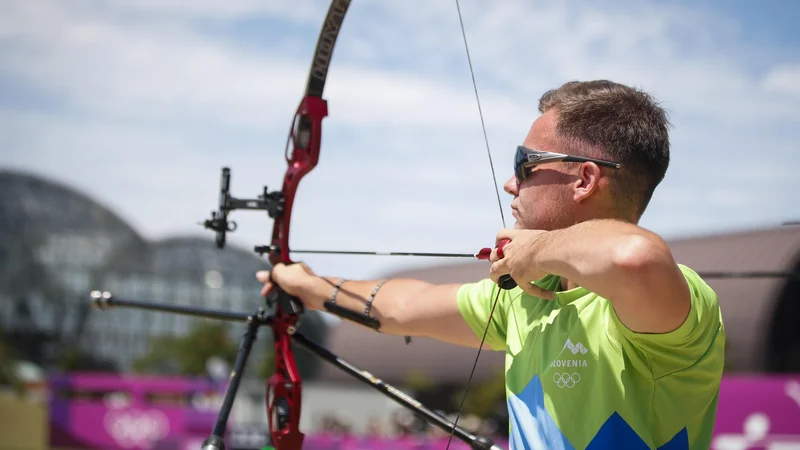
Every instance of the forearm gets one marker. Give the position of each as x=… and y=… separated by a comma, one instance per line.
x=396, y=304
x=600, y=255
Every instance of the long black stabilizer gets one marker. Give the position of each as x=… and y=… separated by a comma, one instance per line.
x=106, y=300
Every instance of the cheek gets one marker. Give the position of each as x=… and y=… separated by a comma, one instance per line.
x=536, y=203
x=535, y=197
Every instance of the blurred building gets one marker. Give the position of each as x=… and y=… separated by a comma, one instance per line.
x=57, y=244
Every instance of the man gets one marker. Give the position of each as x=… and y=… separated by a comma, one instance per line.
x=609, y=342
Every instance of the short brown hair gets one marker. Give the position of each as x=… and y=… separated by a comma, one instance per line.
x=620, y=123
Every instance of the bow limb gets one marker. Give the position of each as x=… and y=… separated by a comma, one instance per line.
x=284, y=388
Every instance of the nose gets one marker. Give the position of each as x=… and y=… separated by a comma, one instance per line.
x=511, y=186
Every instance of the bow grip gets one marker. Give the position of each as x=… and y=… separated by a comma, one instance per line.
x=289, y=304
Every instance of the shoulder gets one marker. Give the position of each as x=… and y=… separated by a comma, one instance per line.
x=698, y=288
x=700, y=330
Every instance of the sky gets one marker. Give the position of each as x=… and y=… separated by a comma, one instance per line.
x=138, y=104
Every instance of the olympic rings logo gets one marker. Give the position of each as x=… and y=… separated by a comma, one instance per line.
x=566, y=380
x=133, y=428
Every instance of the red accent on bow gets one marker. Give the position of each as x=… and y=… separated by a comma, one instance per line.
x=285, y=385
x=486, y=252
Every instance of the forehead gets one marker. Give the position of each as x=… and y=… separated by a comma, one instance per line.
x=542, y=133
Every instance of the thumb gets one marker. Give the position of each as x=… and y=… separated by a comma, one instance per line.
x=536, y=291
x=263, y=276
x=505, y=233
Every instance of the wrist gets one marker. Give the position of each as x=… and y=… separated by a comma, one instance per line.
x=321, y=289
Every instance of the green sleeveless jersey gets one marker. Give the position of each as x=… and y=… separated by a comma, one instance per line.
x=577, y=378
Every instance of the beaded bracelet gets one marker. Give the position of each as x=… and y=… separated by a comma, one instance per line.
x=336, y=290
x=372, y=297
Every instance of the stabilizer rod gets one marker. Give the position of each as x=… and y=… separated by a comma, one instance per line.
x=106, y=300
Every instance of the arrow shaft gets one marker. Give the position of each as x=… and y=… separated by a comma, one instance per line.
x=351, y=252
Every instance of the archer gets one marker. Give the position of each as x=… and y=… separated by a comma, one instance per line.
x=610, y=343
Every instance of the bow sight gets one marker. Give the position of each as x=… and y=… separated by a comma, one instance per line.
x=271, y=202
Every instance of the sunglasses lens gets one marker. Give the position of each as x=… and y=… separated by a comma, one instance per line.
x=520, y=159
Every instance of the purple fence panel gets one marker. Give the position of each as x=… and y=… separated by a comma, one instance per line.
x=94, y=411
x=329, y=442
x=758, y=412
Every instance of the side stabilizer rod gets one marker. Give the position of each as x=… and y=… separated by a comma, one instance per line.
x=105, y=300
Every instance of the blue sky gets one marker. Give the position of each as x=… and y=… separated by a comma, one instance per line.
x=139, y=103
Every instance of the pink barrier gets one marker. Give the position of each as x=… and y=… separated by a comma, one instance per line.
x=98, y=411
x=406, y=443
x=758, y=412
x=755, y=413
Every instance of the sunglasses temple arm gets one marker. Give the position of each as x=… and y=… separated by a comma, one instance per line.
x=596, y=161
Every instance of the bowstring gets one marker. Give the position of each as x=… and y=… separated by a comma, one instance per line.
x=480, y=113
x=502, y=217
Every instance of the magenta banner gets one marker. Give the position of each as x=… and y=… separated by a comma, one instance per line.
x=106, y=411
x=404, y=443
x=758, y=412
x=110, y=412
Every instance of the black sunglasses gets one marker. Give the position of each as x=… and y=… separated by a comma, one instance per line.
x=527, y=158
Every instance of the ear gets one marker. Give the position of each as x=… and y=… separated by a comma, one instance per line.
x=588, y=181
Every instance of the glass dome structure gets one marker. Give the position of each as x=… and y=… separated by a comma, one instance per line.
x=57, y=245
x=51, y=239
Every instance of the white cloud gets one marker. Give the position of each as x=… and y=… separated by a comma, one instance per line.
x=783, y=80
x=150, y=98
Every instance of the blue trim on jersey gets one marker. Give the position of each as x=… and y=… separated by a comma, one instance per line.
x=678, y=442
x=616, y=433
x=533, y=428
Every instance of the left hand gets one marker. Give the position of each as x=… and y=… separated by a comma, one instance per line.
x=518, y=261
x=295, y=279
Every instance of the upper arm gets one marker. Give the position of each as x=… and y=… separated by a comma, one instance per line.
x=456, y=313
x=651, y=294
x=701, y=329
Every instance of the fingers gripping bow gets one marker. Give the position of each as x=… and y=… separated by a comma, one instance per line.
x=505, y=282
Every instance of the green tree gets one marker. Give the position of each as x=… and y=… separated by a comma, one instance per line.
x=188, y=354
x=267, y=366
x=8, y=374
x=73, y=359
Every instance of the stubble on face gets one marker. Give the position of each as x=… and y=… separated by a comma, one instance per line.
x=543, y=201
